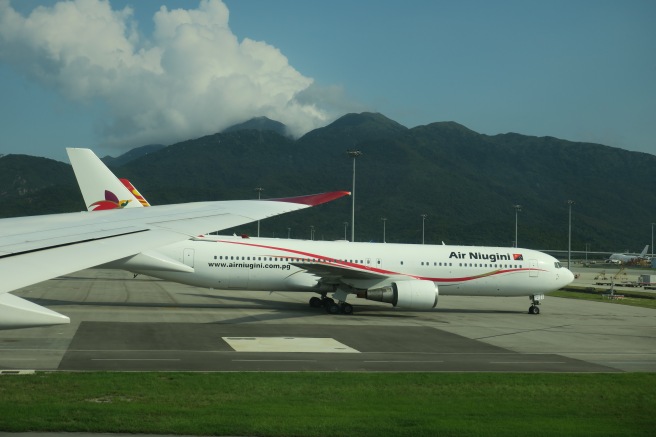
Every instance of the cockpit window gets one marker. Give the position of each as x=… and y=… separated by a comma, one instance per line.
x=557, y=264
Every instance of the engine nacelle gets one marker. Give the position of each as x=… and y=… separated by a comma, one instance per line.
x=412, y=294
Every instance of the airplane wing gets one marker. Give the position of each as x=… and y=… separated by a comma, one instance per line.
x=330, y=272
x=34, y=249
x=342, y=272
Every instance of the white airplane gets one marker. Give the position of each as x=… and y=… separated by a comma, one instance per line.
x=624, y=258
x=404, y=275
x=34, y=249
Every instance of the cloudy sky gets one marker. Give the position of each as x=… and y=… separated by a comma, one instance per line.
x=113, y=75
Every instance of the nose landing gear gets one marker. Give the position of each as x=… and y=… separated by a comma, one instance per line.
x=535, y=299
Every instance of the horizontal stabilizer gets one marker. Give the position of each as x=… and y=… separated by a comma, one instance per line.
x=20, y=313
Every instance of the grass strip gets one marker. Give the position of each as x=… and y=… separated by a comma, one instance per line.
x=630, y=298
x=331, y=404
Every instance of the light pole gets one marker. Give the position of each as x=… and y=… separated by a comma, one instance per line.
x=259, y=195
x=353, y=154
x=569, y=238
x=345, y=226
x=289, y=233
x=311, y=232
x=652, y=241
x=423, y=219
x=517, y=209
x=384, y=219
x=587, y=248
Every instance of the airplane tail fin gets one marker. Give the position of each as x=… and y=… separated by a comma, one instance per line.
x=100, y=188
x=644, y=251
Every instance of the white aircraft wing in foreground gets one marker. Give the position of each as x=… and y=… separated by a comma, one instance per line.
x=34, y=249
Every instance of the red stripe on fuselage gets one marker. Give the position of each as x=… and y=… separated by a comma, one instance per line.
x=334, y=261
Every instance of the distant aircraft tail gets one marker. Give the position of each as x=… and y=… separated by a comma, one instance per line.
x=100, y=188
x=134, y=191
x=644, y=251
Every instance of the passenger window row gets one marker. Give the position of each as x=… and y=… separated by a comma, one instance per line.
x=378, y=261
x=283, y=259
x=504, y=266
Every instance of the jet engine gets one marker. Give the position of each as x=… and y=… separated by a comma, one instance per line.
x=414, y=294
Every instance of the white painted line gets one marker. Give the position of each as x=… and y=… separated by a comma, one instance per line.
x=527, y=362
x=135, y=359
x=401, y=361
x=287, y=344
x=275, y=361
x=17, y=359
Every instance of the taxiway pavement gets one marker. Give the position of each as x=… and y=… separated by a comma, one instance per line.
x=141, y=324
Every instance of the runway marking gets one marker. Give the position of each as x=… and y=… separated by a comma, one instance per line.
x=275, y=361
x=528, y=362
x=287, y=344
x=402, y=361
x=17, y=359
x=135, y=359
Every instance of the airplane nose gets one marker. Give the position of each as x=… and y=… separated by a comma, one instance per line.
x=566, y=277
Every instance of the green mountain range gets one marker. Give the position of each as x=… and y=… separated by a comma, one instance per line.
x=465, y=182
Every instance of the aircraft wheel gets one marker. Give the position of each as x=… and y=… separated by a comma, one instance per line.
x=326, y=302
x=347, y=308
x=315, y=302
x=534, y=310
x=332, y=308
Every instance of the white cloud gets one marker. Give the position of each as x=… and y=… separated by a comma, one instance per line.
x=190, y=78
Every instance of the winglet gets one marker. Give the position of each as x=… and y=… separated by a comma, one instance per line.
x=314, y=199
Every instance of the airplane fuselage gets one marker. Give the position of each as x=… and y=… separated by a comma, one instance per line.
x=270, y=264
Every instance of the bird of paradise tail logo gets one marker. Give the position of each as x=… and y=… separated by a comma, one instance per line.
x=110, y=202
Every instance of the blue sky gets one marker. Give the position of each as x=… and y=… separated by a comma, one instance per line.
x=89, y=74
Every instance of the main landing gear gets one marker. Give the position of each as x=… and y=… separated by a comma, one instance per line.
x=535, y=299
x=330, y=305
